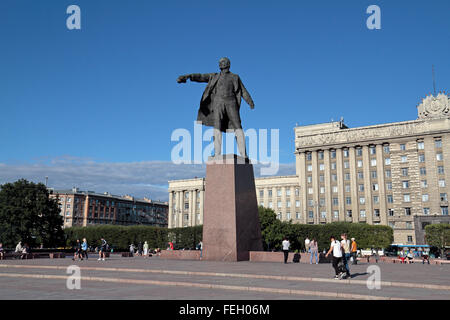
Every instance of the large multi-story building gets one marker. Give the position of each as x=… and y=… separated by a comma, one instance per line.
x=389, y=174
x=85, y=208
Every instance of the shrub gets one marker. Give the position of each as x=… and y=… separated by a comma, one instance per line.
x=120, y=237
x=273, y=231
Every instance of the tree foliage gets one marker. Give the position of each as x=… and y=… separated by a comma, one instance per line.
x=120, y=237
x=27, y=214
x=273, y=231
x=438, y=235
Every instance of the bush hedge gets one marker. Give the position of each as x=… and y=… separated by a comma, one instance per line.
x=120, y=237
x=273, y=231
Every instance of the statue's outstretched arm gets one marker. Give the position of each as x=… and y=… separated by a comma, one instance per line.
x=197, y=77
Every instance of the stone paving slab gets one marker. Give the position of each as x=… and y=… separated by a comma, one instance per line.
x=333, y=286
x=413, y=274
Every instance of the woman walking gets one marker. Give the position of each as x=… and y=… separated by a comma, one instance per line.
x=84, y=249
x=313, y=247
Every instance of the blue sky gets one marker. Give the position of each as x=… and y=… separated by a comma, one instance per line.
x=106, y=95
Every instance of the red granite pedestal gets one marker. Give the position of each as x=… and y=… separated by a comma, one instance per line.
x=230, y=218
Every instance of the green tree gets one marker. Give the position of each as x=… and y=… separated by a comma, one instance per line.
x=438, y=235
x=27, y=214
x=273, y=231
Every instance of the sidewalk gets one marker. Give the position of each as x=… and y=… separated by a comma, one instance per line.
x=155, y=278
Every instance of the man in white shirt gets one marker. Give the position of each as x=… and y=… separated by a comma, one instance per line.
x=337, y=255
x=307, y=242
x=286, y=246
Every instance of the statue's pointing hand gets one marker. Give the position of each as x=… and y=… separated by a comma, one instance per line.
x=182, y=79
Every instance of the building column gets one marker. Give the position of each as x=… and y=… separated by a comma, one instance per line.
x=303, y=188
x=202, y=200
x=191, y=213
x=179, y=213
x=86, y=211
x=315, y=186
x=353, y=186
x=381, y=185
x=327, y=177
x=367, y=184
x=194, y=208
x=170, y=217
x=340, y=183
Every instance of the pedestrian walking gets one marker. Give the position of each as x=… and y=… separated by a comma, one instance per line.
x=84, y=249
x=2, y=252
x=354, y=251
x=336, y=250
x=200, y=246
x=103, y=248
x=145, y=249
x=286, y=246
x=313, y=247
x=346, y=252
x=307, y=243
x=132, y=250
x=77, y=254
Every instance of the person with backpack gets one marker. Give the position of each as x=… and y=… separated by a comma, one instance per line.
x=336, y=249
x=103, y=248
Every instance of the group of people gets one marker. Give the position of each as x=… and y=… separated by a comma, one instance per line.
x=407, y=256
x=82, y=248
x=342, y=252
x=143, y=250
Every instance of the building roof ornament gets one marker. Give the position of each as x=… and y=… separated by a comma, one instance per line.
x=434, y=107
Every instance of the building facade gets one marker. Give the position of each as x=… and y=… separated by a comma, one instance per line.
x=85, y=208
x=388, y=174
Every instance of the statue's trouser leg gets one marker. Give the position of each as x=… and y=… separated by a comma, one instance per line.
x=240, y=139
x=217, y=142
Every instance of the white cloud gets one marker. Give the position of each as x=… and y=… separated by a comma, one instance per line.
x=146, y=178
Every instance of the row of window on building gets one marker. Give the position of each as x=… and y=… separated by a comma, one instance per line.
x=362, y=213
x=372, y=150
x=373, y=162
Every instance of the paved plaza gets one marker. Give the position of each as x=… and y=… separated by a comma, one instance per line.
x=156, y=278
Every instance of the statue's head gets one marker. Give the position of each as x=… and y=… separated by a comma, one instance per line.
x=224, y=63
